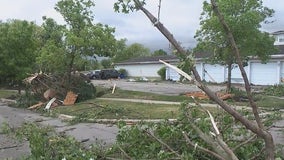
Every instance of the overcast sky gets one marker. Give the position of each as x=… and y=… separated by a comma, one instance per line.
x=181, y=17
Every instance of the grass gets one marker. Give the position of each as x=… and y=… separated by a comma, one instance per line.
x=119, y=93
x=7, y=93
x=270, y=102
x=97, y=109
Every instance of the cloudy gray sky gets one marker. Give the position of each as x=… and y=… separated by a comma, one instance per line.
x=181, y=17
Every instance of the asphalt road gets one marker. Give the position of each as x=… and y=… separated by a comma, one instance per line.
x=90, y=133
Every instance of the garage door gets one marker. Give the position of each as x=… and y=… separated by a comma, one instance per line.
x=263, y=74
x=214, y=73
x=171, y=74
x=236, y=76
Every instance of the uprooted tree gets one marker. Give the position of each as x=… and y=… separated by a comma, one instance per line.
x=215, y=145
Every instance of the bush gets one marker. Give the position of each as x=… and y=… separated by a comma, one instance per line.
x=162, y=73
x=85, y=90
x=123, y=71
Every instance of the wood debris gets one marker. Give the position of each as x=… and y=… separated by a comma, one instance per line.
x=70, y=98
x=201, y=95
x=35, y=106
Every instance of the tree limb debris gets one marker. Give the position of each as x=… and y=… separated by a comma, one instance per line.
x=161, y=142
x=201, y=148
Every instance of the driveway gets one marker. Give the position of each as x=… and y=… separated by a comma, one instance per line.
x=166, y=88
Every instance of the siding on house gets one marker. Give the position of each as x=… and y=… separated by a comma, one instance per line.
x=146, y=66
x=141, y=70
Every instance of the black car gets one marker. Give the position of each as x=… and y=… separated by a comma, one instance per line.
x=109, y=73
x=95, y=74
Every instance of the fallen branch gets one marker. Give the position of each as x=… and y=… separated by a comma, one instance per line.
x=163, y=143
x=201, y=148
x=125, y=154
x=9, y=147
x=245, y=142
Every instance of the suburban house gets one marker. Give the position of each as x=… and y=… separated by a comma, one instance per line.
x=258, y=73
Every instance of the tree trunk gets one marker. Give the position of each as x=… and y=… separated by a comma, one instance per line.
x=257, y=129
x=229, y=82
x=264, y=134
x=69, y=71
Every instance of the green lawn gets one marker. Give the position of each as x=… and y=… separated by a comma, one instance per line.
x=7, y=93
x=97, y=109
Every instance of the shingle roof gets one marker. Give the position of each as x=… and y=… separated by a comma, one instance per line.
x=155, y=59
x=278, y=32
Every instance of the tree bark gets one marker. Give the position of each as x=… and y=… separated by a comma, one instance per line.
x=257, y=129
x=229, y=82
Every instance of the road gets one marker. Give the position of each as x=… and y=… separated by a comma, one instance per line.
x=15, y=117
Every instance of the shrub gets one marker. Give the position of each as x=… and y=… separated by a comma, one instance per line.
x=162, y=73
x=123, y=72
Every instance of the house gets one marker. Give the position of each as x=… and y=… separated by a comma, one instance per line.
x=258, y=73
x=148, y=66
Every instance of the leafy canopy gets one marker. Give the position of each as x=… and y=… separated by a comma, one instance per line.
x=134, y=50
x=18, y=43
x=244, y=17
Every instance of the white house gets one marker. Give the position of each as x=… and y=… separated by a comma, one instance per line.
x=148, y=66
x=258, y=73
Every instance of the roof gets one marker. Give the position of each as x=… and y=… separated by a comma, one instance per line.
x=150, y=60
x=278, y=32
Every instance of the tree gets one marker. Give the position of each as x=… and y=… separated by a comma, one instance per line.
x=52, y=56
x=18, y=43
x=106, y=63
x=159, y=52
x=134, y=50
x=81, y=36
x=220, y=149
x=244, y=18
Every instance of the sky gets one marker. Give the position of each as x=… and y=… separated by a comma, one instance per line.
x=181, y=17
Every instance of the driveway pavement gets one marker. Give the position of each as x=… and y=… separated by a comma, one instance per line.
x=166, y=88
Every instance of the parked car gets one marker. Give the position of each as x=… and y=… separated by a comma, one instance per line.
x=94, y=74
x=109, y=73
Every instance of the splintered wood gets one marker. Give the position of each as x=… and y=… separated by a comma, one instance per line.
x=70, y=99
x=202, y=95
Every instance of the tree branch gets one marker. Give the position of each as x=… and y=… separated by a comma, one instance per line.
x=126, y=155
x=201, y=148
x=245, y=142
x=161, y=142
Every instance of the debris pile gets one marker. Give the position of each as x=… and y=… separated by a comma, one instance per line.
x=53, y=90
x=201, y=95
